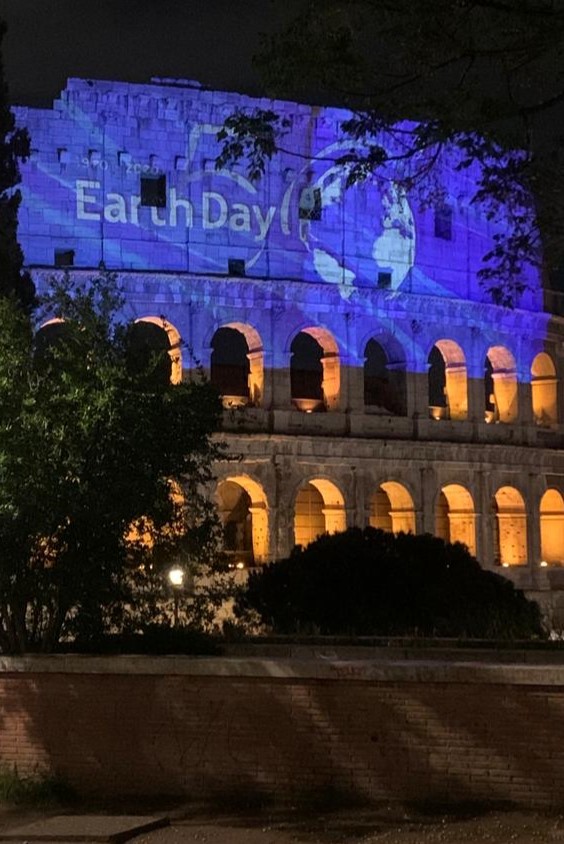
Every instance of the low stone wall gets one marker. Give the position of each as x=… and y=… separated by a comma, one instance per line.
x=323, y=727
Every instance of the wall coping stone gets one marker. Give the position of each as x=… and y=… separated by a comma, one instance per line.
x=320, y=667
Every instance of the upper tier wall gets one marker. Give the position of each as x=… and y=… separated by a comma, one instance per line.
x=90, y=153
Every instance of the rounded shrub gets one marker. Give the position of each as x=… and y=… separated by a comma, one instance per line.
x=369, y=582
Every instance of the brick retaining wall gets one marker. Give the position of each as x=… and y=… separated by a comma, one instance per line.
x=258, y=730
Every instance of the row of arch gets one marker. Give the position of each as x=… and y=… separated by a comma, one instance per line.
x=237, y=369
x=319, y=507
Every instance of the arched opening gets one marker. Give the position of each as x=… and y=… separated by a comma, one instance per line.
x=50, y=336
x=455, y=520
x=237, y=365
x=500, y=383
x=544, y=390
x=155, y=351
x=391, y=509
x=552, y=527
x=314, y=371
x=511, y=522
x=319, y=508
x=384, y=381
x=244, y=514
x=447, y=379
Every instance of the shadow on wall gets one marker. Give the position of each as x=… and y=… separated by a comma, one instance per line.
x=256, y=740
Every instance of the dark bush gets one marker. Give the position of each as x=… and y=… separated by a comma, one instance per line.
x=153, y=641
x=368, y=582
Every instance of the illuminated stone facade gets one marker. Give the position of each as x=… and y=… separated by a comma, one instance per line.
x=366, y=377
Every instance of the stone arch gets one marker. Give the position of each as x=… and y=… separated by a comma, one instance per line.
x=455, y=519
x=237, y=364
x=447, y=380
x=391, y=508
x=173, y=347
x=544, y=387
x=243, y=510
x=511, y=527
x=384, y=376
x=500, y=381
x=315, y=375
x=552, y=527
x=319, y=508
x=48, y=334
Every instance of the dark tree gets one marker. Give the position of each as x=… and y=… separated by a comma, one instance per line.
x=14, y=146
x=481, y=78
x=103, y=473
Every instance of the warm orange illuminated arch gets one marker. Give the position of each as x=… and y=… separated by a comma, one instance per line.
x=455, y=517
x=175, y=345
x=544, y=387
x=255, y=357
x=511, y=520
x=331, y=379
x=552, y=527
x=504, y=375
x=319, y=508
x=256, y=511
x=456, y=381
x=391, y=508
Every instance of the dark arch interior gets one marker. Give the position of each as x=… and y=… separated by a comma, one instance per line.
x=437, y=379
x=383, y=387
x=229, y=363
x=148, y=357
x=306, y=368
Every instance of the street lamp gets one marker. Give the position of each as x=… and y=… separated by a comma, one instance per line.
x=176, y=580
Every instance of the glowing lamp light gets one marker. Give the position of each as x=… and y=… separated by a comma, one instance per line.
x=505, y=565
x=176, y=576
x=544, y=564
x=240, y=565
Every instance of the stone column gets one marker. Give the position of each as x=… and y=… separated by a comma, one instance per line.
x=331, y=381
x=476, y=399
x=532, y=501
x=428, y=491
x=281, y=384
x=256, y=379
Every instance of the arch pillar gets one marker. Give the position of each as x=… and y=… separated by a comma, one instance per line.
x=281, y=383
x=256, y=378
x=402, y=520
x=428, y=489
x=335, y=518
x=352, y=387
x=476, y=403
x=483, y=513
x=506, y=396
x=417, y=394
x=331, y=384
x=525, y=403
x=457, y=390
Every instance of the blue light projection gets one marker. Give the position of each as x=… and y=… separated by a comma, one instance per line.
x=82, y=191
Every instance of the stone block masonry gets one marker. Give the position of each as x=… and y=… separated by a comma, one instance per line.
x=289, y=730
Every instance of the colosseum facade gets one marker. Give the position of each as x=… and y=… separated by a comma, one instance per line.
x=367, y=378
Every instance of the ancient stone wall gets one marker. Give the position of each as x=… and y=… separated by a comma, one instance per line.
x=323, y=730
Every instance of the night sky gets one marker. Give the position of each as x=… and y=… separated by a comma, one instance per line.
x=131, y=40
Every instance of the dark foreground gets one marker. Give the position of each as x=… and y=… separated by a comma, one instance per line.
x=392, y=825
